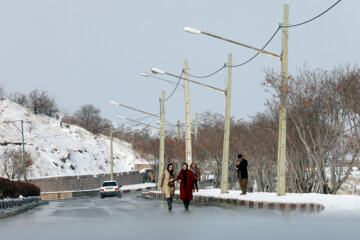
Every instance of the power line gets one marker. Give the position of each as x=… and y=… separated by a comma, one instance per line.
x=312, y=19
x=253, y=57
x=209, y=75
x=177, y=85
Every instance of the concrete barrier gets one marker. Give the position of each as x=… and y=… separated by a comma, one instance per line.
x=10, y=203
x=276, y=206
x=87, y=193
x=86, y=182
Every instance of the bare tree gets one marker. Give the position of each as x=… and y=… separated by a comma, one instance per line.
x=41, y=103
x=2, y=93
x=13, y=164
x=89, y=118
x=19, y=98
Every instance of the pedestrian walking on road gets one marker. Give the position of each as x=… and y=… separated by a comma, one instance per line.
x=242, y=171
x=196, y=172
x=168, y=184
x=186, y=179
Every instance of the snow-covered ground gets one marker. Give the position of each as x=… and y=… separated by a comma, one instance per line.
x=61, y=151
x=346, y=205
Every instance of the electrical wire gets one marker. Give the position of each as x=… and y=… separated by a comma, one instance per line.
x=312, y=19
x=176, y=87
x=209, y=75
x=253, y=57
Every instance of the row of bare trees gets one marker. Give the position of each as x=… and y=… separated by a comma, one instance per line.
x=323, y=141
x=39, y=102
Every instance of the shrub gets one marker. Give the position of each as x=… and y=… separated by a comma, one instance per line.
x=13, y=189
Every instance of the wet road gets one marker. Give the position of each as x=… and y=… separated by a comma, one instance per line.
x=132, y=217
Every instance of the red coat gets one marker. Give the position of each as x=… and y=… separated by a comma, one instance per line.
x=187, y=192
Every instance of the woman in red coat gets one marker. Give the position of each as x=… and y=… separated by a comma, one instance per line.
x=186, y=179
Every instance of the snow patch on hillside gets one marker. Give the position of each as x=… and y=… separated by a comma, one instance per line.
x=59, y=150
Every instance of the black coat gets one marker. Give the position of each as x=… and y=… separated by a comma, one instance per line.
x=242, y=169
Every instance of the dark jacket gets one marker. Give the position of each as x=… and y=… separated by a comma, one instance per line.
x=242, y=168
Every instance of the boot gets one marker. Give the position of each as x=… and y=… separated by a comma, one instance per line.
x=169, y=200
x=186, y=204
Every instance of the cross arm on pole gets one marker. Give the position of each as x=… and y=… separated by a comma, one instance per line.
x=122, y=105
x=155, y=70
x=195, y=31
x=121, y=117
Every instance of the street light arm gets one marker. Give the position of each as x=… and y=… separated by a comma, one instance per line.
x=241, y=44
x=121, y=117
x=121, y=105
x=152, y=76
x=199, y=83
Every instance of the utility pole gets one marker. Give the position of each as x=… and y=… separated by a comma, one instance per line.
x=196, y=127
x=111, y=153
x=23, y=148
x=178, y=136
x=187, y=115
x=283, y=114
x=178, y=129
x=225, y=161
x=162, y=140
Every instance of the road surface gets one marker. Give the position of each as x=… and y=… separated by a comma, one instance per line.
x=132, y=217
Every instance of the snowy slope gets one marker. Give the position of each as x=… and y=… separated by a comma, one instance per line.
x=61, y=151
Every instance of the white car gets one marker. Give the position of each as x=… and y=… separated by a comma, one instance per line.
x=109, y=189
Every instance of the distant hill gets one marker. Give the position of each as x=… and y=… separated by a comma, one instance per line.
x=60, y=149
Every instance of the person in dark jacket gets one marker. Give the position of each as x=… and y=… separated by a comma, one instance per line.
x=242, y=171
x=196, y=172
x=186, y=179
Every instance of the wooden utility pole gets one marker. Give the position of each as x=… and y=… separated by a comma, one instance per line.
x=162, y=140
x=225, y=161
x=283, y=114
x=178, y=129
x=196, y=127
x=23, y=148
x=187, y=115
x=111, y=154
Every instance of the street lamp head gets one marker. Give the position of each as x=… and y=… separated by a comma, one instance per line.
x=157, y=71
x=192, y=30
x=121, y=117
x=112, y=102
x=145, y=74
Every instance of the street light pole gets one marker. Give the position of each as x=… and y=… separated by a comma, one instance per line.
x=225, y=161
x=162, y=140
x=111, y=153
x=187, y=116
x=283, y=114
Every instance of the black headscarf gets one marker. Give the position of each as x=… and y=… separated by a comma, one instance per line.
x=184, y=173
x=172, y=171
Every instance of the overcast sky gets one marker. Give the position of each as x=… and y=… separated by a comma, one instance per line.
x=92, y=51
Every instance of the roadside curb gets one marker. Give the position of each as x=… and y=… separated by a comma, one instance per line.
x=138, y=190
x=11, y=207
x=274, y=206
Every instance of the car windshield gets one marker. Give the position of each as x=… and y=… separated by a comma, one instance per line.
x=109, y=184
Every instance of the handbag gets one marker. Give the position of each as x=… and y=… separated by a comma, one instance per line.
x=171, y=182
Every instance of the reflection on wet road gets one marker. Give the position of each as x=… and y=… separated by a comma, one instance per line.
x=132, y=217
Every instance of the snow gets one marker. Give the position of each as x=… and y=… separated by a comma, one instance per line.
x=61, y=151
x=334, y=204
x=138, y=186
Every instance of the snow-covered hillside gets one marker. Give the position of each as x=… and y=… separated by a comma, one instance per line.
x=61, y=151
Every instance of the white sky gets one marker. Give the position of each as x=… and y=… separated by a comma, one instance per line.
x=92, y=51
